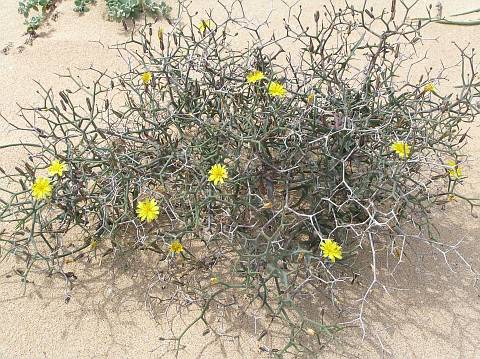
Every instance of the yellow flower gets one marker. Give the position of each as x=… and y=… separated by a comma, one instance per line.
x=310, y=332
x=57, y=168
x=148, y=210
x=451, y=198
x=147, y=77
x=401, y=148
x=310, y=98
x=430, y=87
x=41, y=188
x=176, y=247
x=160, y=34
x=267, y=205
x=203, y=25
x=454, y=171
x=276, y=89
x=218, y=173
x=331, y=249
x=213, y=280
x=255, y=76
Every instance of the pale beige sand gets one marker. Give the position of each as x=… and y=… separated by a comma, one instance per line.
x=430, y=312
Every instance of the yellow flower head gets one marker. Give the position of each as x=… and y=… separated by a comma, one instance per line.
x=147, y=77
x=41, y=188
x=213, y=280
x=451, y=198
x=454, y=171
x=204, y=25
x=57, y=168
x=401, y=148
x=331, y=249
x=148, y=210
x=176, y=247
x=267, y=205
x=255, y=76
x=430, y=87
x=310, y=98
x=160, y=34
x=276, y=89
x=218, y=174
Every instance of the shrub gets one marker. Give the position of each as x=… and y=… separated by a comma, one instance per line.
x=266, y=172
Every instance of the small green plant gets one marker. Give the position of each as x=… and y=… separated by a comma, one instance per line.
x=34, y=23
x=82, y=5
x=25, y=6
x=40, y=6
x=121, y=9
x=117, y=9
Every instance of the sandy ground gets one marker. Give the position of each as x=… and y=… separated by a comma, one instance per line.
x=429, y=312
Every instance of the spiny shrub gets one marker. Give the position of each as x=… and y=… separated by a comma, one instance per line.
x=265, y=172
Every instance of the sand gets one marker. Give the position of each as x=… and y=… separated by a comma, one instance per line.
x=430, y=311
